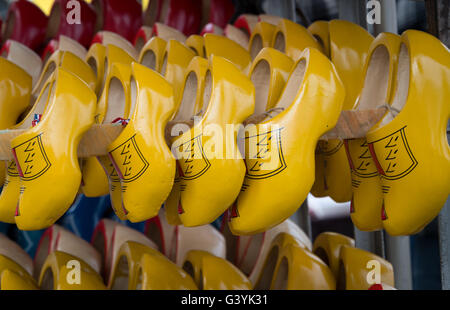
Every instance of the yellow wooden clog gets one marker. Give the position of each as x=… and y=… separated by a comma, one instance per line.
x=228, y=49
x=191, y=103
x=379, y=85
x=46, y=155
x=62, y=271
x=214, y=273
x=95, y=58
x=291, y=39
x=409, y=146
x=359, y=268
x=348, y=54
x=328, y=247
x=13, y=257
x=140, y=155
x=261, y=37
x=210, y=164
x=269, y=73
x=113, y=106
x=152, y=54
x=158, y=273
x=110, y=38
x=277, y=152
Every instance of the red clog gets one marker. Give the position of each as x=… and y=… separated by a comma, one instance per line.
x=186, y=15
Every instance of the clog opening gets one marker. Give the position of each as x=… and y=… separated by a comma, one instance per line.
x=140, y=278
x=322, y=254
x=8, y=27
x=93, y=64
x=280, y=42
x=54, y=20
x=261, y=80
x=281, y=279
x=267, y=272
x=149, y=60
x=154, y=234
x=294, y=83
x=121, y=275
x=194, y=50
x=48, y=280
x=98, y=8
x=139, y=44
x=341, y=283
x=164, y=65
x=189, y=269
x=188, y=100
x=257, y=45
x=99, y=243
x=115, y=101
x=50, y=68
x=207, y=93
x=402, y=81
x=252, y=255
x=376, y=84
x=41, y=254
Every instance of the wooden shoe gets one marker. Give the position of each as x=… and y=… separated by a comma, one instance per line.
x=57, y=271
x=228, y=49
x=25, y=23
x=220, y=12
x=168, y=33
x=152, y=54
x=252, y=251
x=23, y=57
x=261, y=37
x=81, y=32
x=349, y=55
x=328, y=245
x=367, y=197
x=161, y=232
x=65, y=44
x=291, y=39
x=14, y=281
x=142, y=37
x=140, y=155
x=56, y=238
x=321, y=32
x=210, y=182
x=269, y=74
x=214, y=273
x=110, y=38
x=287, y=156
x=190, y=105
x=409, y=146
x=205, y=238
x=246, y=23
x=237, y=35
x=355, y=266
x=158, y=273
x=123, y=18
x=186, y=16
x=46, y=161
x=299, y=269
x=211, y=28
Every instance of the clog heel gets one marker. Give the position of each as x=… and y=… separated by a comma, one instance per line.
x=328, y=247
x=349, y=55
x=272, y=189
x=9, y=197
x=152, y=54
x=140, y=155
x=291, y=39
x=191, y=103
x=211, y=166
x=409, y=146
x=321, y=32
x=158, y=273
x=58, y=274
x=46, y=155
x=214, y=273
x=367, y=194
x=354, y=268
